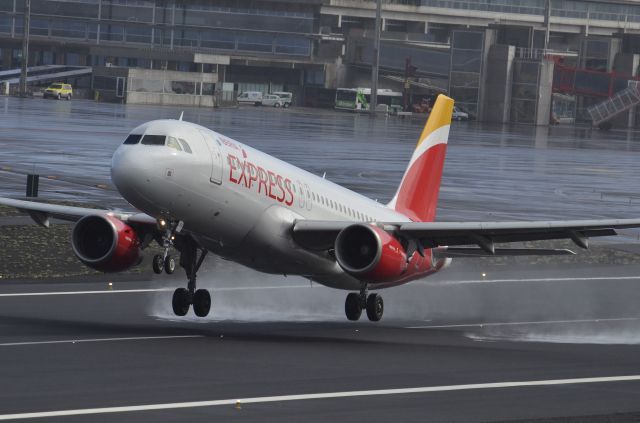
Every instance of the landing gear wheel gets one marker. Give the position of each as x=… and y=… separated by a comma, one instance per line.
x=180, y=301
x=158, y=263
x=375, y=307
x=201, y=302
x=169, y=265
x=352, y=306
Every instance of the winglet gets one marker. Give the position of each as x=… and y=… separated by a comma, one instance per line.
x=417, y=195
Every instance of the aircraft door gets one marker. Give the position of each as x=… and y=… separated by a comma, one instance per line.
x=216, y=157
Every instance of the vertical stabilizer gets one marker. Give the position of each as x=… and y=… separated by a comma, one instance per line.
x=417, y=195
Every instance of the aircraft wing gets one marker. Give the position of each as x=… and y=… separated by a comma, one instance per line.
x=321, y=234
x=42, y=212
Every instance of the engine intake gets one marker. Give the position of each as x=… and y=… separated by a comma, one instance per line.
x=370, y=253
x=105, y=243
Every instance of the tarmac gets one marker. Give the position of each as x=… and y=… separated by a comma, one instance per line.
x=512, y=342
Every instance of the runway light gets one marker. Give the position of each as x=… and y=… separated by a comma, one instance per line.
x=484, y=274
x=110, y=285
x=238, y=405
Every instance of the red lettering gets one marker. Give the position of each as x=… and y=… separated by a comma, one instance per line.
x=287, y=184
x=272, y=183
x=253, y=173
x=243, y=175
x=279, y=182
x=262, y=180
x=232, y=167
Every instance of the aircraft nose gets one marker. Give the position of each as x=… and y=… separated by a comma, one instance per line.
x=125, y=169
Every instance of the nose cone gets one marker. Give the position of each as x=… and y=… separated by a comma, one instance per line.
x=124, y=170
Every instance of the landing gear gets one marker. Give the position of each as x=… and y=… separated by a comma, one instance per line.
x=355, y=303
x=181, y=301
x=191, y=258
x=201, y=302
x=164, y=262
x=352, y=307
x=375, y=307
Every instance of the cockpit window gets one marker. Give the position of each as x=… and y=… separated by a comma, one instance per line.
x=133, y=139
x=185, y=145
x=153, y=139
x=173, y=143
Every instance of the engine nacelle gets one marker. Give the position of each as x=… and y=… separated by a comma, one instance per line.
x=105, y=243
x=369, y=253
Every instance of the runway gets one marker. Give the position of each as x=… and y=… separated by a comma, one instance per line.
x=88, y=351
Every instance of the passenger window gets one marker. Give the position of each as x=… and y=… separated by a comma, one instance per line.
x=185, y=145
x=153, y=139
x=133, y=139
x=173, y=143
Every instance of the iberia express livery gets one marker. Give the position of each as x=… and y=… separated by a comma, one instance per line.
x=198, y=191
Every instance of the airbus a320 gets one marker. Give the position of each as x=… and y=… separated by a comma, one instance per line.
x=199, y=191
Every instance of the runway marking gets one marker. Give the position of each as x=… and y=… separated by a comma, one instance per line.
x=574, y=279
x=111, y=291
x=536, y=322
x=145, y=290
x=79, y=341
x=326, y=395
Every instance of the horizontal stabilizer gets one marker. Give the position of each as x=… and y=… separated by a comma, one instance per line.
x=452, y=252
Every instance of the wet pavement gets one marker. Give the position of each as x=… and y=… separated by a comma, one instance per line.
x=492, y=172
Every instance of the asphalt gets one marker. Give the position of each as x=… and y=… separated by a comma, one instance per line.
x=101, y=346
x=282, y=345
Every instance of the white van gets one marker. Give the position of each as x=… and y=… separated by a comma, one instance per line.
x=287, y=97
x=253, y=97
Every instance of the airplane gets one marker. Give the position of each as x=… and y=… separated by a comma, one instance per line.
x=199, y=191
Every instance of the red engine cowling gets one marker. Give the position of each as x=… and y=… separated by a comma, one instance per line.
x=369, y=253
x=105, y=243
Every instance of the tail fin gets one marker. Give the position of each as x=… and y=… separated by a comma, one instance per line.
x=417, y=195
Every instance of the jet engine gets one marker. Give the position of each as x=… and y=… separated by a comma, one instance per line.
x=105, y=243
x=369, y=253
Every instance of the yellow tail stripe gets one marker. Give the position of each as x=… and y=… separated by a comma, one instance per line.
x=439, y=117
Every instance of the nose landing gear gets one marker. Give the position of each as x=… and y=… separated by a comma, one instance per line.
x=372, y=303
x=164, y=262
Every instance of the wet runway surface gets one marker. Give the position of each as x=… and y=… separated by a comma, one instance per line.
x=85, y=346
x=64, y=347
x=491, y=172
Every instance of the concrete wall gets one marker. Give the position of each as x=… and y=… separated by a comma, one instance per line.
x=498, y=84
x=170, y=99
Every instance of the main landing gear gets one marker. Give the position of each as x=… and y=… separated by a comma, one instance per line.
x=355, y=303
x=191, y=258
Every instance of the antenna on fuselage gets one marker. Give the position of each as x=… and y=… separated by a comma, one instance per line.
x=324, y=175
x=181, y=114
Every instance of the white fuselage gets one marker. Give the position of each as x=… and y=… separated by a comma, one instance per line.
x=236, y=201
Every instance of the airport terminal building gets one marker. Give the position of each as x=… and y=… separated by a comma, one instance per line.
x=523, y=61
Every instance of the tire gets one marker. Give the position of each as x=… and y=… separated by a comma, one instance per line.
x=69, y=97
x=276, y=105
x=180, y=302
x=375, y=307
x=158, y=264
x=201, y=302
x=59, y=96
x=352, y=307
x=169, y=265
x=286, y=105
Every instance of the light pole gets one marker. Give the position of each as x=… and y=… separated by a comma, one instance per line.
x=375, y=60
x=25, y=48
